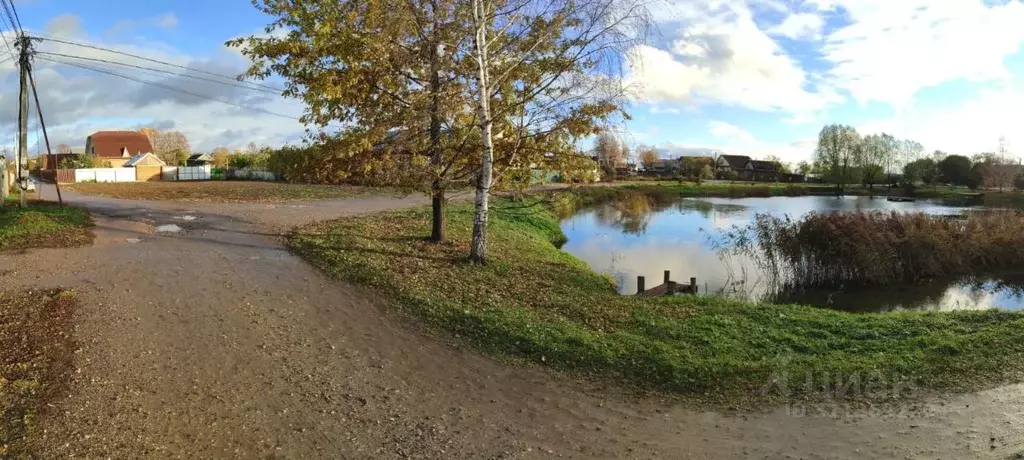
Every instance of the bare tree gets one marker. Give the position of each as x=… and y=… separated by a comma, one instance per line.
x=170, y=146
x=608, y=149
x=63, y=148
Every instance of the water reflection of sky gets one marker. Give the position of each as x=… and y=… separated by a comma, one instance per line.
x=678, y=238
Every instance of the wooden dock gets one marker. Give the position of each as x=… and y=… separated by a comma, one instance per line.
x=667, y=287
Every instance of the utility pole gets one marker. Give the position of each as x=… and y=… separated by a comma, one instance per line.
x=3, y=177
x=23, y=64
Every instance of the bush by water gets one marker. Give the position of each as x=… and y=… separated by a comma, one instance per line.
x=877, y=248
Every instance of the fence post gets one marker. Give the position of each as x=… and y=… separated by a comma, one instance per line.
x=640, y=285
x=693, y=284
x=666, y=276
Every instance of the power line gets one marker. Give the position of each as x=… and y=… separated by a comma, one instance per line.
x=15, y=10
x=100, y=48
x=167, y=87
x=234, y=84
x=4, y=36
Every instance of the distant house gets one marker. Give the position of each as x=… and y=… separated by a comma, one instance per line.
x=117, y=147
x=199, y=159
x=662, y=166
x=762, y=171
x=144, y=159
x=629, y=169
x=732, y=166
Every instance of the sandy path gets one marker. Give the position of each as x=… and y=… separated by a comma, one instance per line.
x=217, y=342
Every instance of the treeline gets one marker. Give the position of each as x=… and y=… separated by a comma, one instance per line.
x=844, y=157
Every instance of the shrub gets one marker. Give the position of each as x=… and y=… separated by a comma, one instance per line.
x=796, y=190
x=876, y=248
x=759, y=191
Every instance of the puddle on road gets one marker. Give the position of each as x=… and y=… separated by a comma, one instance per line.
x=134, y=240
x=169, y=228
x=186, y=217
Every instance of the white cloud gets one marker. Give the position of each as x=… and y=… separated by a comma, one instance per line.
x=892, y=49
x=664, y=110
x=730, y=131
x=970, y=128
x=722, y=56
x=78, y=101
x=800, y=26
x=167, y=21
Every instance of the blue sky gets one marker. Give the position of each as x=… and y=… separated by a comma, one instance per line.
x=762, y=76
x=742, y=76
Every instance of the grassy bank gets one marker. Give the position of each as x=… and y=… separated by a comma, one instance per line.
x=536, y=302
x=222, y=191
x=763, y=189
x=36, y=353
x=711, y=189
x=43, y=225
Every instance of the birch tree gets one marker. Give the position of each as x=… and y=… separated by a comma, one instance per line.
x=478, y=250
x=547, y=73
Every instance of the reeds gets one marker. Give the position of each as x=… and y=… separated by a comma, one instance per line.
x=876, y=248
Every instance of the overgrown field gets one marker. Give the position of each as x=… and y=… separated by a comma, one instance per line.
x=36, y=350
x=221, y=191
x=877, y=248
x=43, y=225
x=536, y=302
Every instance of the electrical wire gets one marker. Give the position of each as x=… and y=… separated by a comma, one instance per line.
x=157, y=61
x=15, y=10
x=3, y=35
x=167, y=87
x=167, y=72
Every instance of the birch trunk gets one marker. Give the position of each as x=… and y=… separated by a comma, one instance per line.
x=478, y=249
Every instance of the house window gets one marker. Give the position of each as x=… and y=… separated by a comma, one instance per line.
x=93, y=150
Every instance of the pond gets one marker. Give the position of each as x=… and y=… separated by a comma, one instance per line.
x=679, y=237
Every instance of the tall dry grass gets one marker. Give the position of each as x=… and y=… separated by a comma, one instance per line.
x=876, y=248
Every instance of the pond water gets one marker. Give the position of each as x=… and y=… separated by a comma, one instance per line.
x=679, y=237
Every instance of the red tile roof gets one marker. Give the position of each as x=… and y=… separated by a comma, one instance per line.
x=109, y=143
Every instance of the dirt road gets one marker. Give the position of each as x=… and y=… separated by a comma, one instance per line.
x=217, y=342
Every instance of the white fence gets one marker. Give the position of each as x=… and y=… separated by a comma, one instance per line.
x=249, y=174
x=186, y=172
x=105, y=175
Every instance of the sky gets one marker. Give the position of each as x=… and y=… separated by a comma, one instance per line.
x=756, y=77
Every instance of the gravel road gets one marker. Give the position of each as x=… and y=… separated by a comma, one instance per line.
x=215, y=342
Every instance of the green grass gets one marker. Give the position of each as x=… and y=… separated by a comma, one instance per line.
x=538, y=303
x=222, y=191
x=43, y=224
x=35, y=363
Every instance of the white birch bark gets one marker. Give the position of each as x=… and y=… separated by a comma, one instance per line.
x=478, y=249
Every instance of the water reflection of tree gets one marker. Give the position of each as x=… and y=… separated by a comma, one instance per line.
x=630, y=212
x=931, y=295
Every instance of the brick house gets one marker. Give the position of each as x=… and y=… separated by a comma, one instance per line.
x=117, y=147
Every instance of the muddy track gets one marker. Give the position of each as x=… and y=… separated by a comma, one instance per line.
x=214, y=341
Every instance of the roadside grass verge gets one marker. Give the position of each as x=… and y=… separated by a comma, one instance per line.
x=36, y=351
x=540, y=304
x=223, y=191
x=43, y=225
